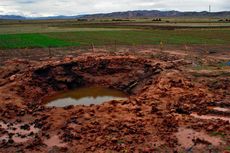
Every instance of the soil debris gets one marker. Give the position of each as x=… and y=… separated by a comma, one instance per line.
x=162, y=101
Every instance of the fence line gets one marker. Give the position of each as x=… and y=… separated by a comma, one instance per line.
x=38, y=53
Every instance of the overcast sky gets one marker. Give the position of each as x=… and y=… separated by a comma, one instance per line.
x=77, y=7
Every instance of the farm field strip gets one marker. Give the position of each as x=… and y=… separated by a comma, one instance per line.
x=31, y=40
x=65, y=33
x=109, y=37
x=20, y=29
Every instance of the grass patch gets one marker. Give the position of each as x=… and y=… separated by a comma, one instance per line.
x=109, y=37
x=120, y=142
x=203, y=67
x=31, y=41
x=212, y=66
x=216, y=74
x=228, y=148
x=218, y=134
x=137, y=37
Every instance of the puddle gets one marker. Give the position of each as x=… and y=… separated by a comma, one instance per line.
x=220, y=109
x=19, y=135
x=54, y=141
x=186, y=136
x=84, y=96
x=210, y=117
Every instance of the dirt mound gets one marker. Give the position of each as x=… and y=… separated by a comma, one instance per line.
x=162, y=97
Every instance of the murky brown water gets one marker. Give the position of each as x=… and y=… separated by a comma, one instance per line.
x=221, y=109
x=186, y=136
x=54, y=141
x=84, y=96
x=210, y=117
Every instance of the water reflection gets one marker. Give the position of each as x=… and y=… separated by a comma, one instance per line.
x=84, y=96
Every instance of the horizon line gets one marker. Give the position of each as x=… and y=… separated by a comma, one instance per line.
x=85, y=14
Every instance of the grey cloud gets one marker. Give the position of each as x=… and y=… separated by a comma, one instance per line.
x=75, y=7
x=26, y=1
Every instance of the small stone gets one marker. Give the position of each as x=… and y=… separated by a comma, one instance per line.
x=210, y=127
x=25, y=127
x=10, y=141
x=154, y=109
x=69, y=107
x=114, y=140
x=13, y=77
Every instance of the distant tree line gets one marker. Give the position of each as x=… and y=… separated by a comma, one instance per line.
x=157, y=19
x=120, y=20
x=82, y=19
x=224, y=20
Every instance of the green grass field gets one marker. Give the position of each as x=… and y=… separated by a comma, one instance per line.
x=31, y=40
x=139, y=37
x=55, y=34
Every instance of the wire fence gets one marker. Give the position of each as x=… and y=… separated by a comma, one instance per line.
x=41, y=53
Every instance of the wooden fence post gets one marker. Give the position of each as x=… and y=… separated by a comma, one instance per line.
x=50, y=52
x=161, y=46
x=92, y=45
x=1, y=57
x=115, y=45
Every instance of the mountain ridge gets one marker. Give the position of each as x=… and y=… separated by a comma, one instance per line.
x=127, y=14
x=157, y=13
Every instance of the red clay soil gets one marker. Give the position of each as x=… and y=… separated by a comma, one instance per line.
x=157, y=117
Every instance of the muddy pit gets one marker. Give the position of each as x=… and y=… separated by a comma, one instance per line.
x=157, y=116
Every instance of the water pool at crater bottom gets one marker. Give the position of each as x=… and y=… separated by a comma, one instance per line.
x=84, y=96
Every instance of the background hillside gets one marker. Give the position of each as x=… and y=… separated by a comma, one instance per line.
x=130, y=14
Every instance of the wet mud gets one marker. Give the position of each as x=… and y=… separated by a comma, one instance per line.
x=158, y=116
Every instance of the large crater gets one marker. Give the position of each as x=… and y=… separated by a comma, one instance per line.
x=125, y=74
x=158, y=115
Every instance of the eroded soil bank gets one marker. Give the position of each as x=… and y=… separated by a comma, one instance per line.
x=158, y=116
